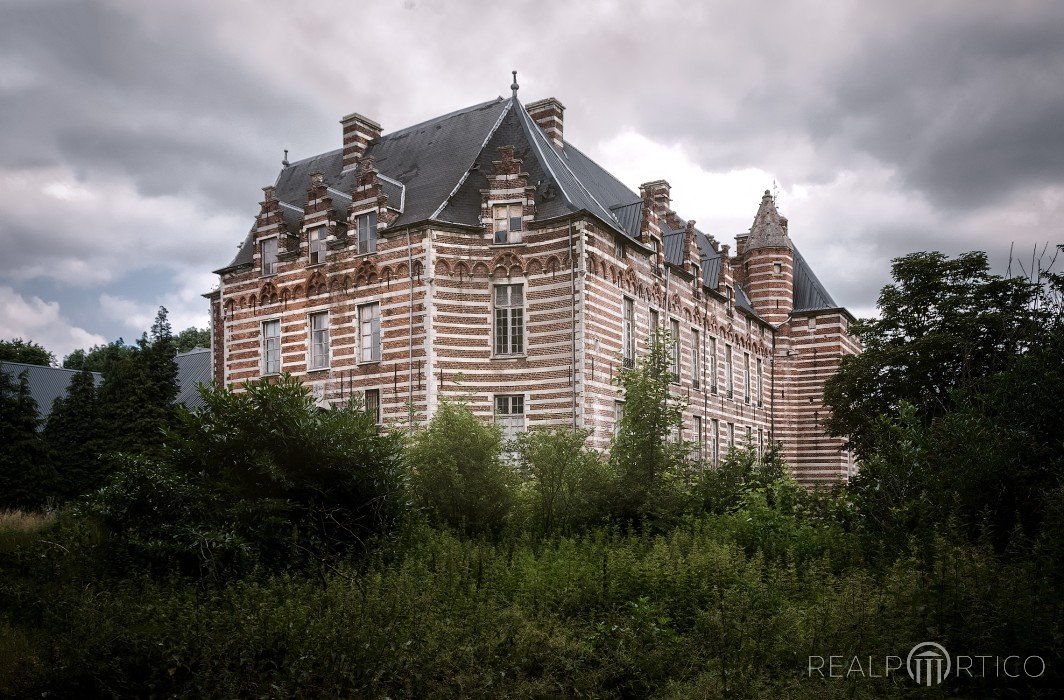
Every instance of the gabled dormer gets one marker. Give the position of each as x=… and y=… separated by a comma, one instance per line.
x=508, y=204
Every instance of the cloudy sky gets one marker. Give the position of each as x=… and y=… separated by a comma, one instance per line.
x=135, y=137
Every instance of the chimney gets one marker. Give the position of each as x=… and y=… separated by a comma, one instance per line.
x=659, y=194
x=549, y=114
x=358, y=132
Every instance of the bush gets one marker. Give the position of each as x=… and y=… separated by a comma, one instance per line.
x=457, y=472
x=568, y=486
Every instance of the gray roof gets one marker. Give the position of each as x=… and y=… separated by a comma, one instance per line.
x=809, y=292
x=193, y=369
x=46, y=383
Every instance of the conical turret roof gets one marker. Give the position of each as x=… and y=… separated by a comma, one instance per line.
x=767, y=232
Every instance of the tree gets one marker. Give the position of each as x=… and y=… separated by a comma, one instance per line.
x=457, y=472
x=99, y=357
x=648, y=453
x=27, y=480
x=74, y=434
x=26, y=351
x=943, y=324
x=193, y=338
x=956, y=407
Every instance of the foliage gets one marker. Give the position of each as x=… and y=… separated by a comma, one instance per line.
x=457, y=473
x=648, y=454
x=258, y=476
x=568, y=486
x=99, y=357
x=27, y=477
x=191, y=338
x=25, y=351
x=74, y=437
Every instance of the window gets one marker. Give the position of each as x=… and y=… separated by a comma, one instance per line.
x=369, y=332
x=729, y=298
x=618, y=415
x=367, y=232
x=713, y=365
x=674, y=331
x=657, y=254
x=760, y=442
x=696, y=359
x=746, y=377
x=655, y=323
x=508, y=223
x=269, y=256
x=509, y=319
x=777, y=268
x=618, y=248
x=373, y=404
x=698, y=436
x=715, y=442
x=628, y=347
x=319, y=340
x=316, y=245
x=271, y=347
x=731, y=436
x=729, y=382
x=696, y=283
x=812, y=324
x=749, y=437
x=510, y=415
x=760, y=379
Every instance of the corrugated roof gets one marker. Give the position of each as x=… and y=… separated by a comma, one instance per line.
x=809, y=292
x=46, y=383
x=193, y=369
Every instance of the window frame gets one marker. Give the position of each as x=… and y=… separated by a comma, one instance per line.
x=628, y=331
x=713, y=383
x=509, y=220
x=747, y=378
x=377, y=413
x=511, y=309
x=311, y=343
x=276, y=253
x=379, y=345
x=696, y=360
x=729, y=373
x=265, y=366
x=372, y=232
x=675, y=358
x=320, y=247
x=510, y=400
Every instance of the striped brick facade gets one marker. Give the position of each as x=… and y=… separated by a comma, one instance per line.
x=578, y=275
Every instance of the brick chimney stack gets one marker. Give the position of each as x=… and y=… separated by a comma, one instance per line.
x=358, y=132
x=659, y=191
x=549, y=114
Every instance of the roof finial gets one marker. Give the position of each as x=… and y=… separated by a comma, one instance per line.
x=515, y=86
x=284, y=161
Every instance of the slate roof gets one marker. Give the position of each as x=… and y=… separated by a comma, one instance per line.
x=809, y=293
x=193, y=369
x=435, y=171
x=46, y=383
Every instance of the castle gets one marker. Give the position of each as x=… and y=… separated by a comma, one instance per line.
x=481, y=255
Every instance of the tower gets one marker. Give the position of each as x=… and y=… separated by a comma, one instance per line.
x=767, y=264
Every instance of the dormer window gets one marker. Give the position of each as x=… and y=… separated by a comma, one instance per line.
x=696, y=283
x=657, y=255
x=367, y=232
x=729, y=297
x=509, y=223
x=316, y=245
x=269, y=256
x=618, y=248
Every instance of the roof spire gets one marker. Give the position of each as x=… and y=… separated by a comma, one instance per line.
x=284, y=161
x=514, y=86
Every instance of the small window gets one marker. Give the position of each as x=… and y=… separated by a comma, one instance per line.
x=746, y=377
x=316, y=245
x=509, y=304
x=269, y=256
x=729, y=380
x=271, y=347
x=729, y=298
x=373, y=404
x=714, y=438
x=628, y=343
x=760, y=381
x=812, y=324
x=618, y=247
x=674, y=331
x=760, y=442
x=699, y=439
x=749, y=436
x=655, y=263
x=731, y=436
x=509, y=223
x=369, y=332
x=777, y=268
x=713, y=365
x=618, y=416
x=319, y=340
x=367, y=232
x=510, y=415
x=696, y=359
x=696, y=281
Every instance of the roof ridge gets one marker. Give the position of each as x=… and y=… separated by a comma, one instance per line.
x=27, y=364
x=442, y=117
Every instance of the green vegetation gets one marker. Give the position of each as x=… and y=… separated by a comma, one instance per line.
x=262, y=547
